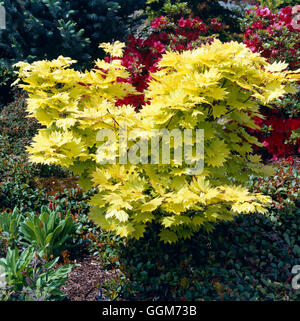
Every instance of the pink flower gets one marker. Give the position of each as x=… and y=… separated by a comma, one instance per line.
x=272, y=17
x=182, y=22
x=159, y=21
x=180, y=47
x=262, y=12
x=216, y=24
x=265, y=143
x=159, y=47
x=257, y=25
x=277, y=26
x=287, y=10
x=286, y=18
x=270, y=31
x=189, y=23
x=163, y=36
x=248, y=32
x=202, y=27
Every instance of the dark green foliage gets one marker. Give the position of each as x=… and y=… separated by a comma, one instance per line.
x=16, y=132
x=21, y=195
x=45, y=29
x=248, y=259
x=9, y=225
x=15, y=124
x=6, y=79
x=74, y=200
x=49, y=233
x=37, y=30
x=30, y=278
x=18, y=177
x=17, y=186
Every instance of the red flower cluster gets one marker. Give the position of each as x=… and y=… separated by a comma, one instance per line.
x=274, y=36
x=141, y=57
x=267, y=33
x=159, y=21
x=281, y=130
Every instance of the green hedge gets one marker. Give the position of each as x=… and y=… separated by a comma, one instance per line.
x=248, y=259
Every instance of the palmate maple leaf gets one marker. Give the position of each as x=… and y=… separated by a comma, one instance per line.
x=120, y=215
x=276, y=66
x=273, y=90
x=217, y=152
x=151, y=205
x=168, y=236
x=125, y=230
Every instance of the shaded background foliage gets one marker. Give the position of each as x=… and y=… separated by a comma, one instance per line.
x=45, y=29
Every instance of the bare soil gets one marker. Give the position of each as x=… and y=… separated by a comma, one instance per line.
x=85, y=279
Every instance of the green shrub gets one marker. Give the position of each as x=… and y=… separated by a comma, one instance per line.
x=17, y=185
x=30, y=278
x=6, y=79
x=248, y=259
x=50, y=232
x=9, y=225
x=74, y=200
x=15, y=124
x=21, y=195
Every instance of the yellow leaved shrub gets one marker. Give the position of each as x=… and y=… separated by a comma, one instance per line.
x=216, y=88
